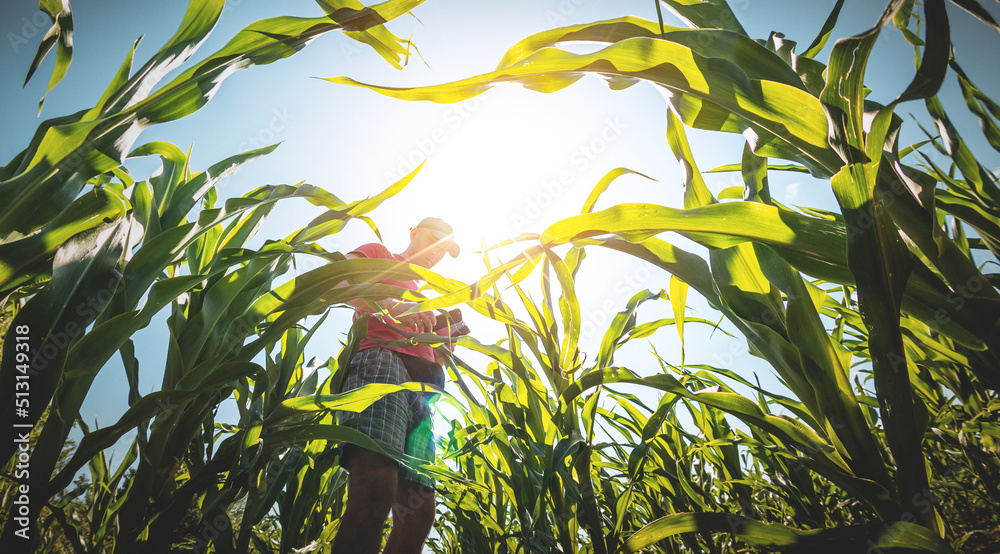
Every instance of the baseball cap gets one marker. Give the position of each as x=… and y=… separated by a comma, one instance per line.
x=442, y=231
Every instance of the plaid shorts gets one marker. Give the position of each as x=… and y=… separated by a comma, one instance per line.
x=401, y=419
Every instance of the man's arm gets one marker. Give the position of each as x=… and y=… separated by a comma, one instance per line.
x=420, y=322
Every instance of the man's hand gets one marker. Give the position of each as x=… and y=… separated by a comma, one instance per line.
x=419, y=322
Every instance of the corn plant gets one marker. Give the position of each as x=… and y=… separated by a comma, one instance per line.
x=89, y=247
x=908, y=301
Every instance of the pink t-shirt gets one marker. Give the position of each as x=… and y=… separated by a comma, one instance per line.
x=387, y=331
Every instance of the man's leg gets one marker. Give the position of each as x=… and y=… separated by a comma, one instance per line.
x=371, y=491
x=412, y=518
x=413, y=512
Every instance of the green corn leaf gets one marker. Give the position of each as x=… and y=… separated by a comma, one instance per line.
x=603, y=184
x=901, y=20
x=69, y=145
x=756, y=60
x=569, y=307
x=623, y=323
x=251, y=436
x=755, y=533
x=731, y=193
x=173, y=170
x=739, y=167
x=819, y=42
x=705, y=14
x=696, y=193
x=764, y=103
x=117, y=83
x=60, y=33
x=334, y=220
x=730, y=223
x=913, y=203
x=926, y=297
x=678, y=299
x=352, y=401
x=198, y=21
x=837, y=404
x=165, y=248
x=181, y=199
x=977, y=178
x=822, y=457
x=982, y=106
x=754, y=169
x=609, y=31
x=934, y=63
x=980, y=13
x=22, y=259
x=365, y=25
x=83, y=278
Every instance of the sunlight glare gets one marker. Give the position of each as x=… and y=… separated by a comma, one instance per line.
x=497, y=174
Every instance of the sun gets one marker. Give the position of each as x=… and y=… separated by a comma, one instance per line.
x=505, y=163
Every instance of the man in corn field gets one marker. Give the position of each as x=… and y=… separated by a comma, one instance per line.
x=402, y=420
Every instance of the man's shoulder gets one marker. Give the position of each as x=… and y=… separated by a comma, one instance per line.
x=373, y=250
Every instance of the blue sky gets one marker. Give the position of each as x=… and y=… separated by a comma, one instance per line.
x=494, y=163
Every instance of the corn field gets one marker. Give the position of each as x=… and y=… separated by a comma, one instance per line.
x=880, y=315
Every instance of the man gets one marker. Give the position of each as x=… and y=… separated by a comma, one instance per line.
x=377, y=483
